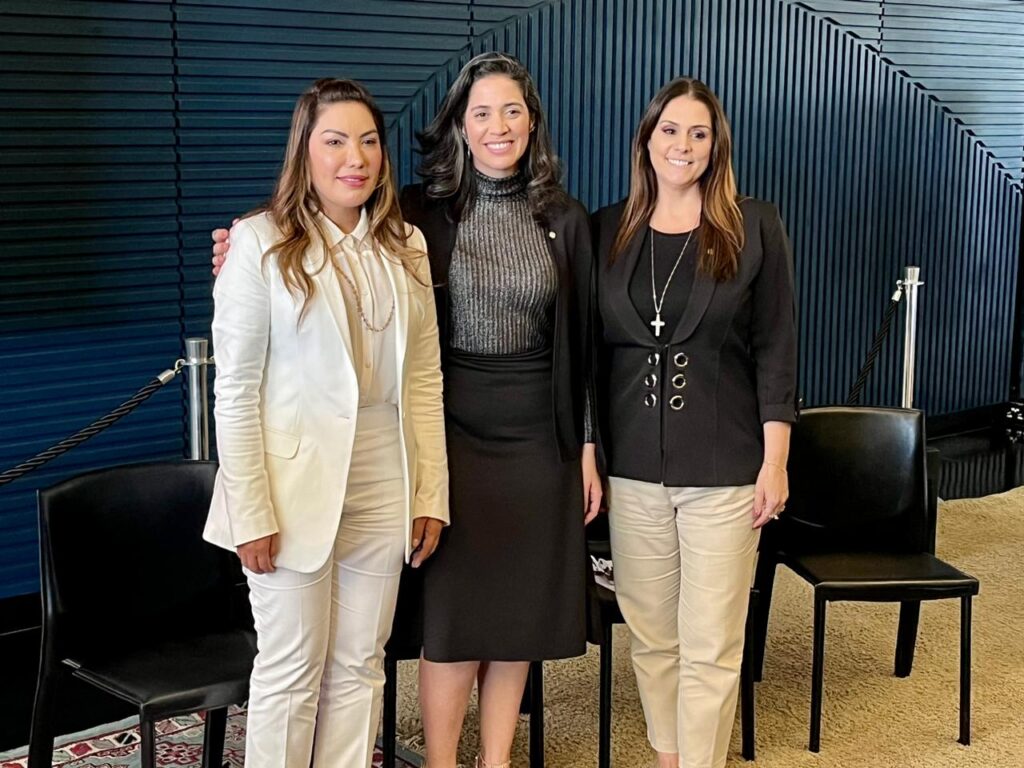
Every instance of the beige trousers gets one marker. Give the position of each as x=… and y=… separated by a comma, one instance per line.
x=684, y=560
x=318, y=677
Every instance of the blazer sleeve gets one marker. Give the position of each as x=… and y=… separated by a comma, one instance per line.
x=581, y=257
x=423, y=363
x=598, y=364
x=241, y=333
x=773, y=335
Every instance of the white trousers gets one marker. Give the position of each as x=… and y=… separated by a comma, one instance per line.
x=318, y=675
x=684, y=560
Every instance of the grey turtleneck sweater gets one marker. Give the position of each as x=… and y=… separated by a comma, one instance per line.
x=502, y=281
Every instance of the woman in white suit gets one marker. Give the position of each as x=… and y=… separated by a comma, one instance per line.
x=330, y=429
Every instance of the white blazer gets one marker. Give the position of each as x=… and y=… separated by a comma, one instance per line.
x=287, y=396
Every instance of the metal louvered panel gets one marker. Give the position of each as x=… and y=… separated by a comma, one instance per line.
x=869, y=172
x=129, y=129
x=241, y=65
x=966, y=54
x=89, y=300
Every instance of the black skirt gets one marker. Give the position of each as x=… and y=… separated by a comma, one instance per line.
x=507, y=582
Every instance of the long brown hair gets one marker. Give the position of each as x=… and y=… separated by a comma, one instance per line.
x=721, y=233
x=447, y=170
x=295, y=205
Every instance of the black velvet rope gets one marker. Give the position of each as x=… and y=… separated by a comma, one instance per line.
x=853, y=398
x=82, y=435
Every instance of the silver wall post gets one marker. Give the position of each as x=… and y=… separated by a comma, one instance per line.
x=910, y=283
x=198, y=416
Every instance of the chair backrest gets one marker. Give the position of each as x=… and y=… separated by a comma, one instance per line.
x=124, y=545
x=857, y=482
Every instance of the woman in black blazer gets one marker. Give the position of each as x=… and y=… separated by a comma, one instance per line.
x=696, y=379
x=510, y=256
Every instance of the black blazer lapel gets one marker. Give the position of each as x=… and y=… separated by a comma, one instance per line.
x=616, y=290
x=700, y=297
x=440, y=243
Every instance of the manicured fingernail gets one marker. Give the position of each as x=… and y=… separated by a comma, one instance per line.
x=415, y=543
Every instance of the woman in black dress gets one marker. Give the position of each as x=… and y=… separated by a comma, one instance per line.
x=510, y=256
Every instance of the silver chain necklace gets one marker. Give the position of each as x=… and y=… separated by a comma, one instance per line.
x=657, y=323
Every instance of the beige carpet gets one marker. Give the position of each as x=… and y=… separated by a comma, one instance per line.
x=870, y=717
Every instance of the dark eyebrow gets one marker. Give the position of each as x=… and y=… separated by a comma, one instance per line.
x=507, y=104
x=345, y=135
x=673, y=122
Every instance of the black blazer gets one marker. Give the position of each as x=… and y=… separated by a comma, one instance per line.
x=687, y=409
x=568, y=238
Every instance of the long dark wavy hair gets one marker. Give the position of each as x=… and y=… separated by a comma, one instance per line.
x=721, y=231
x=446, y=168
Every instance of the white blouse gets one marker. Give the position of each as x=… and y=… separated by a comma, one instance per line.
x=373, y=352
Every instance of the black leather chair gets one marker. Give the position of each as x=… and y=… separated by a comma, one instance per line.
x=126, y=542
x=860, y=525
x=603, y=614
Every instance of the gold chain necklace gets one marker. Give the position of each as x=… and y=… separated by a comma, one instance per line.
x=359, y=302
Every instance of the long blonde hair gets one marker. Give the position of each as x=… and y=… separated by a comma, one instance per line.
x=295, y=205
x=721, y=233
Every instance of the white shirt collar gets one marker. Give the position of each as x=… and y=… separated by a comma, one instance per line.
x=358, y=238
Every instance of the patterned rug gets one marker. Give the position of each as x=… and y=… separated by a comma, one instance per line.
x=179, y=743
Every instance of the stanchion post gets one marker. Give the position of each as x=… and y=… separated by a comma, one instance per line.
x=198, y=416
x=910, y=283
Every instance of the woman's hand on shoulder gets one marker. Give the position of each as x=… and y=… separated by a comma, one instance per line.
x=221, y=245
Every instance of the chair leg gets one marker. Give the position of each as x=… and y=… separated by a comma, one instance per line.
x=906, y=637
x=604, y=728
x=536, y=715
x=147, y=750
x=44, y=710
x=747, y=692
x=764, y=581
x=524, y=703
x=213, y=738
x=965, y=671
x=389, y=730
x=817, y=673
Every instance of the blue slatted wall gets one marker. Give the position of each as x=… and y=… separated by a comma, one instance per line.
x=966, y=54
x=871, y=172
x=132, y=128
x=90, y=304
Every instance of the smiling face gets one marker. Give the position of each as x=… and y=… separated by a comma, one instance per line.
x=496, y=125
x=681, y=143
x=345, y=158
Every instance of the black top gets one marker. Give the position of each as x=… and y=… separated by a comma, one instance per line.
x=687, y=409
x=567, y=233
x=667, y=249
